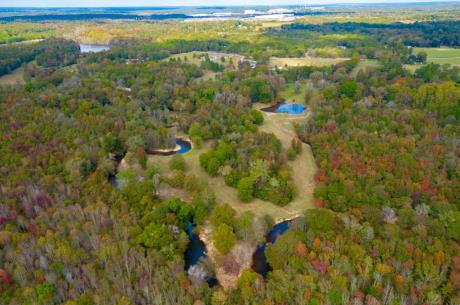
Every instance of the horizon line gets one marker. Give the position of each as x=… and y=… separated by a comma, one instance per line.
x=371, y=2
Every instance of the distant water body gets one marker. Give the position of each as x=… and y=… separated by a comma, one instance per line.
x=93, y=48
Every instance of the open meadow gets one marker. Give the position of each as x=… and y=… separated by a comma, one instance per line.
x=284, y=62
x=441, y=56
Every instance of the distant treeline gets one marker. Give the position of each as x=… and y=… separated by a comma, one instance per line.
x=420, y=34
x=91, y=16
x=144, y=50
x=47, y=53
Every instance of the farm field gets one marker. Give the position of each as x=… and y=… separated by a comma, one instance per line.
x=441, y=55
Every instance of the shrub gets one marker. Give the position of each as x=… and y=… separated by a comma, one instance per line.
x=223, y=214
x=246, y=189
x=224, y=238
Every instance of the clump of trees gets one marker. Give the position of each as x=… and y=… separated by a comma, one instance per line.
x=252, y=163
x=46, y=53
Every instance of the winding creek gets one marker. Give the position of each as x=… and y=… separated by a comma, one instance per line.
x=196, y=249
x=259, y=259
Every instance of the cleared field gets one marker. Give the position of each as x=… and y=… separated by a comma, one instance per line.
x=365, y=64
x=441, y=55
x=14, y=78
x=290, y=95
x=282, y=62
x=231, y=60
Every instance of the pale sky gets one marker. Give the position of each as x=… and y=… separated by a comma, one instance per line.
x=125, y=3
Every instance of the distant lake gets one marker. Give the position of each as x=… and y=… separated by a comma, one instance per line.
x=87, y=48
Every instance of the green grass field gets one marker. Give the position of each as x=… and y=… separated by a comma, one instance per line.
x=282, y=62
x=196, y=58
x=290, y=95
x=441, y=55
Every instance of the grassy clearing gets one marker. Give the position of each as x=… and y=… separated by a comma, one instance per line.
x=291, y=96
x=441, y=55
x=223, y=192
x=327, y=52
x=14, y=78
x=231, y=60
x=365, y=64
x=282, y=62
x=303, y=169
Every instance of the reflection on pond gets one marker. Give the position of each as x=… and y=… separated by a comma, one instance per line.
x=93, y=48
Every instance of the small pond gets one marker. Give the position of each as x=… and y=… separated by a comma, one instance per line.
x=185, y=146
x=291, y=108
x=285, y=108
x=259, y=260
x=93, y=48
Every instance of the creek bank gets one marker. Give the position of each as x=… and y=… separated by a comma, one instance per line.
x=194, y=254
x=250, y=258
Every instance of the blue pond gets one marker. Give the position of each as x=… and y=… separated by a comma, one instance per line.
x=260, y=263
x=290, y=108
x=184, y=146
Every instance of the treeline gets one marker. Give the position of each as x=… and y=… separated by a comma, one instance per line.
x=89, y=16
x=47, y=53
x=145, y=50
x=418, y=34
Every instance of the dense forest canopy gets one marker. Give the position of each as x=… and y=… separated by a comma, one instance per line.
x=90, y=214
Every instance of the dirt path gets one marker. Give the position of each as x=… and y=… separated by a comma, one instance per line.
x=303, y=170
x=303, y=167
